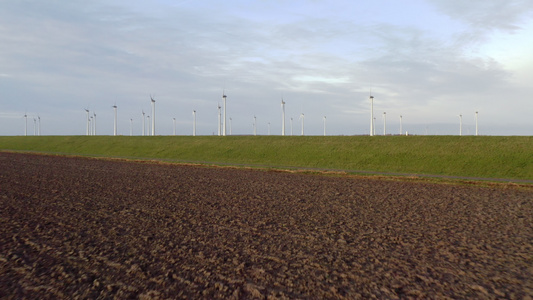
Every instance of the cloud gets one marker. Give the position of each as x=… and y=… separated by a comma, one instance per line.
x=487, y=15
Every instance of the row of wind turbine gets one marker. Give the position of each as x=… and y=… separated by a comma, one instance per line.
x=372, y=120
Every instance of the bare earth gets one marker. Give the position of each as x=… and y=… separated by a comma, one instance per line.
x=87, y=228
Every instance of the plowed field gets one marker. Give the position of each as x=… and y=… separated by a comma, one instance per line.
x=86, y=228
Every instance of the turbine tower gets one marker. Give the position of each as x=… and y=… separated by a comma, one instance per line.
x=174, y=120
x=149, y=126
x=131, y=127
x=153, y=115
x=94, y=124
x=218, y=106
x=115, y=124
x=194, y=123
x=324, y=125
x=291, y=126
x=87, y=111
x=302, y=117
x=476, y=124
x=255, y=125
x=26, y=127
x=282, y=117
x=401, y=125
x=39, y=119
x=384, y=123
x=268, y=128
x=460, y=125
x=224, y=126
x=372, y=130
x=34, y=126
x=144, y=126
x=230, y=126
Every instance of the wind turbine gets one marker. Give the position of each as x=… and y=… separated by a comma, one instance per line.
x=194, y=123
x=174, y=120
x=131, y=127
x=372, y=129
x=153, y=115
x=34, y=126
x=324, y=125
x=39, y=117
x=282, y=117
x=302, y=117
x=476, y=124
x=94, y=124
x=291, y=126
x=224, y=128
x=268, y=128
x=401, y=125
x=230, y=126
x=144, y=126
x=218, y=106
x=384, y=123
x=460, y=125
x=91, y=126
x=149, y=126
x=87, y=111
x=255, y=125
x=115, y=123
x=26, y=127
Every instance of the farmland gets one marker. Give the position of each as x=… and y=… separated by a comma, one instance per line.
x=73, y=227
x=466, y=156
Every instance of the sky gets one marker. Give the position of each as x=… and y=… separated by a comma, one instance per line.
x=429, y=61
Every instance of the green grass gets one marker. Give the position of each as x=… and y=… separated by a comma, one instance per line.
x=487, y=157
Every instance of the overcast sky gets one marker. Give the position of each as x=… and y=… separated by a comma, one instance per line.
x=427, y=60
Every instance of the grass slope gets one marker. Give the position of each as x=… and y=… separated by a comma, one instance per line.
x=489, y=157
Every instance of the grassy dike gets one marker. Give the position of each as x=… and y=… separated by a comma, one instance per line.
x=487, y=157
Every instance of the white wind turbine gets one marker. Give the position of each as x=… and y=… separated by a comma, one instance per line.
x=268, y=128
x=401, y=125
x=34, y=126
x=384, y=123
x=174, y=120
x=291, y=126
x=219, y=116
x=91, y=126
x=282, y=117
x=115, y=122
x=230, y=133
x=324, y=125
x=255, y=125
x=26, y=127
x=194, y=123
x=224, y=126
x=131, y=127
x=460, y=125
x=476, y=124
x=144, y=126
x=302, y=117
x=88, y=120
x=153, y=115
x=94, y=123
x=39, y=119
x=149, y=124
x=372, y=129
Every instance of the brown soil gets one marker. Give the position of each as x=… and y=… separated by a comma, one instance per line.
x=86, y=228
